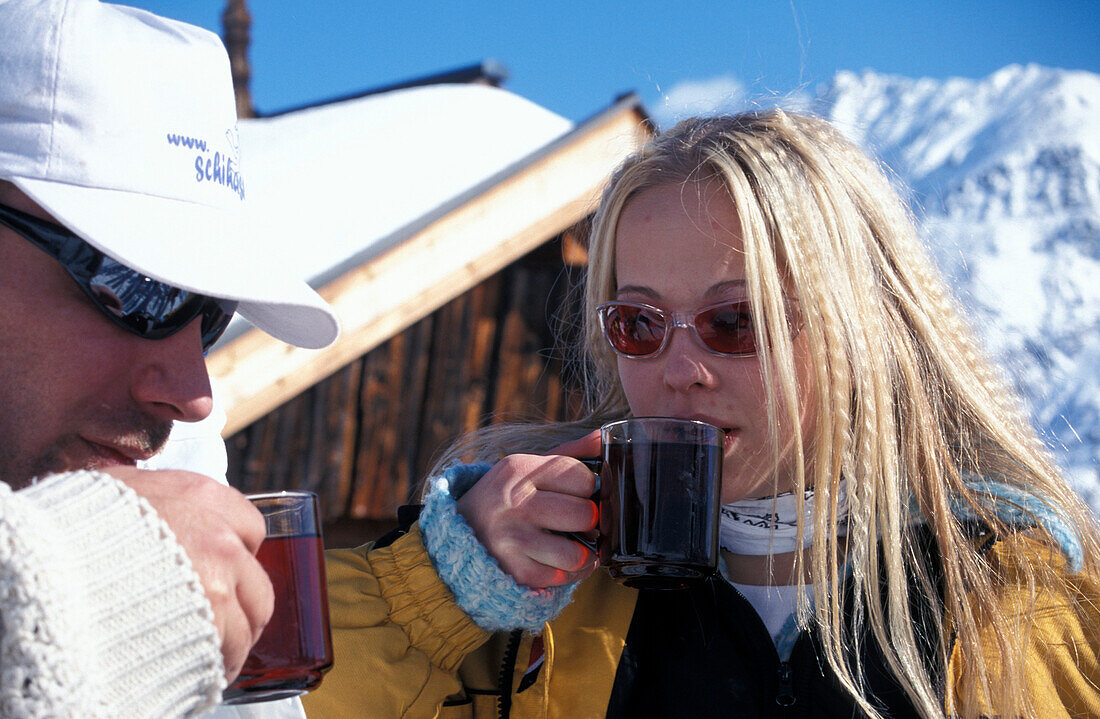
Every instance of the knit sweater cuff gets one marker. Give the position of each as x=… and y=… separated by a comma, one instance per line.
x=481, y=588
x=124, y=620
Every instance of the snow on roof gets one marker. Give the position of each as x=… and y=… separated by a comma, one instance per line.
x=393, y=204
x=326, y=183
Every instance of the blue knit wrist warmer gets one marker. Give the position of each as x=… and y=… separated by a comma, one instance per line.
x=1020, y=509
x=492, y=598
x=1017, y=507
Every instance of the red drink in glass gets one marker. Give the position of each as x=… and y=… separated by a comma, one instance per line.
x=295, y=648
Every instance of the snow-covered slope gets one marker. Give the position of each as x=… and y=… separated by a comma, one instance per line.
x=1005, y=177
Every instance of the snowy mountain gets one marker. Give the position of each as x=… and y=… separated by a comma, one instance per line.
x=1004, y=173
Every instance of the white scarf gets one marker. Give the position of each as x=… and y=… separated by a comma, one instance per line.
x=769, y=525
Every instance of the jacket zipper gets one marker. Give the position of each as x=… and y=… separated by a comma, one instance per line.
x=507, y=671
x=784, y=696
x=984, y=549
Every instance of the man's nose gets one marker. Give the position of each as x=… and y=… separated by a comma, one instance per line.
x=170, y=380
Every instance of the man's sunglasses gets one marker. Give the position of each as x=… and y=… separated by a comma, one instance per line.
x=638, y=330
x=134, y=302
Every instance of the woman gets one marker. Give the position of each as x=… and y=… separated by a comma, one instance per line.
x=927, y=559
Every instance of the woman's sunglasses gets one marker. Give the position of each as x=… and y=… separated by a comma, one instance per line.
x=636, y=330
x=134, y=302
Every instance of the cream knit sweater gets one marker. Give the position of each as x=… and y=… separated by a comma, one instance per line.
x=101, y=613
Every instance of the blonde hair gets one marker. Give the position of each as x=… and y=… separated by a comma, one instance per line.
x=908, y=410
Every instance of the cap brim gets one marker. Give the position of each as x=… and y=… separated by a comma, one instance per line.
x=195, y=247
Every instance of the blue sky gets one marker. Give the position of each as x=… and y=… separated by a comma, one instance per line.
x=575, y=57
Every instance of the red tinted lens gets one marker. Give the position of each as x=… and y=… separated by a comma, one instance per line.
x=727, y=328
x=633, y=330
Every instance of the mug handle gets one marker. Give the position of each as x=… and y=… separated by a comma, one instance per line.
x=596, y=465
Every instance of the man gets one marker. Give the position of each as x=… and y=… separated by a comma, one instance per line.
x=123, y=256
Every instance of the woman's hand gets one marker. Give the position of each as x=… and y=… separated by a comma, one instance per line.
x=515, y=508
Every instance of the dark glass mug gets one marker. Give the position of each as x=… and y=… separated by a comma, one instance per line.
x=295, y=648
x=659, y=500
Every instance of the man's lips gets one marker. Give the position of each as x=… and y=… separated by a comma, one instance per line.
x=113, y=453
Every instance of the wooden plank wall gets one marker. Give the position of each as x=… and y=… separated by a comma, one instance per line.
x=364, y=438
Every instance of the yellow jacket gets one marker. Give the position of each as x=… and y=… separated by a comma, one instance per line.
x=404, y=648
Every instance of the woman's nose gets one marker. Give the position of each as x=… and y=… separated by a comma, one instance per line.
x=686, y=363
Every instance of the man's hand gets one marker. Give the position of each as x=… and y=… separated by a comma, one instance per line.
x=221, y=532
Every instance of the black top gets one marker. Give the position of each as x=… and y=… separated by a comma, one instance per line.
x=704, y=652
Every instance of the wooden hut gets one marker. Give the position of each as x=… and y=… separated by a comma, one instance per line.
x=449, y=319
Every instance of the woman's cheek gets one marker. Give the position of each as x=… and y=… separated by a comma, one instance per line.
x=637, y=385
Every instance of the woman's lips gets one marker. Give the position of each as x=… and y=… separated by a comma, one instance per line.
x=729, y=434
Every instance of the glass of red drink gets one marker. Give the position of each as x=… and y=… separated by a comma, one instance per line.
x=295, y=648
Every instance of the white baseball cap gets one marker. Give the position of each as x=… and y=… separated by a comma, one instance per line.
x=122, y=125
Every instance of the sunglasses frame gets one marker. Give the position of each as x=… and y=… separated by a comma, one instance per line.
x=684, y=319
x=82, y=261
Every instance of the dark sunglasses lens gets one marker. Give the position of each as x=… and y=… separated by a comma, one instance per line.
x=142, y=305
x=727, y=328
x=633, y=330
x=151, y=309
x=215, y=318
